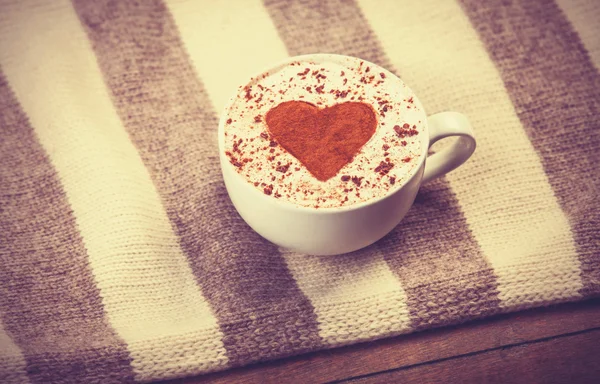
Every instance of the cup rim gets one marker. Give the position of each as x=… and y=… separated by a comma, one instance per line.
x=322, y=210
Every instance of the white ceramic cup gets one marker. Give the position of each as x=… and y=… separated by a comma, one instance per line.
x=329, y=231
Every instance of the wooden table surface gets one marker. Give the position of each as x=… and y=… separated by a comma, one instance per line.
x=558, y=344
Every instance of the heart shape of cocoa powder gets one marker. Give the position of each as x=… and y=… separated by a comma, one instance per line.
x=324, y=140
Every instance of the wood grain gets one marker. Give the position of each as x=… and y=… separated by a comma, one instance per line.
x=434, y=346
x=564, y=359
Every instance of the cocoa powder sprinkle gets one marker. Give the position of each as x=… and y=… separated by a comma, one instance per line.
x=357, y=180
x=405, y=130
x=384, y=167
x=248, y=95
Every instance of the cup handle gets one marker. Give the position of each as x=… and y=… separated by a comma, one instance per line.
x=443, y=125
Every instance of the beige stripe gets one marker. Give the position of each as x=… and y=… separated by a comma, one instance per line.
x=435, y=293
x=584, y=15
x=556, y=92
x=235, y=40
x=502, y=190
x=48, y=298
x=349, y=306
x=13, y=367
x=164, y=107
x=148, y=288
x=356, y=296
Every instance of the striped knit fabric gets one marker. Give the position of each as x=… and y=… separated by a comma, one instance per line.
x=122, y=258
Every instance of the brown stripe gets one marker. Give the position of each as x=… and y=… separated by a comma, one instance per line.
x=51, y=306
x=338, y=26
x=13, y=367
x=166, y=111
x=446, y=278
x=416, y=250
x=556, y=93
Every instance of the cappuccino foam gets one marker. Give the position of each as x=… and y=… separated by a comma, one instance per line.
x=388, y=158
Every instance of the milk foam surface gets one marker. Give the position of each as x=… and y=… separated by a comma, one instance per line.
x=396, y=143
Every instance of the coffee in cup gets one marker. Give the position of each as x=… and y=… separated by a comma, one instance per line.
x=324, y=134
